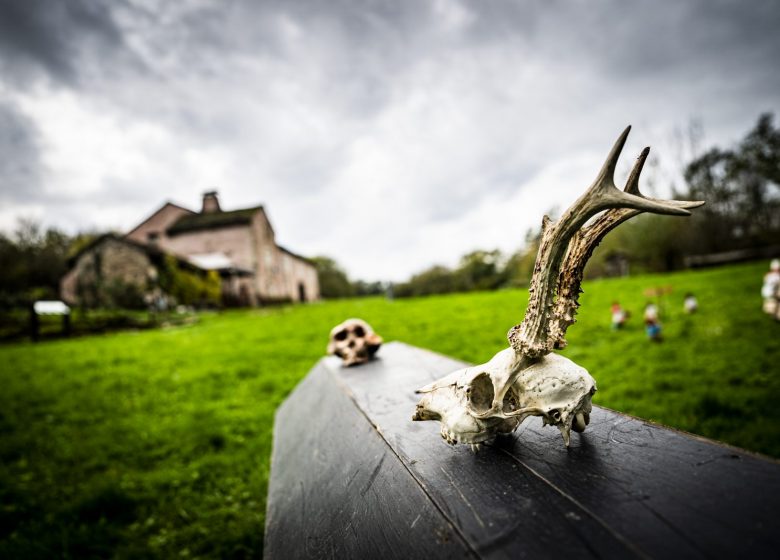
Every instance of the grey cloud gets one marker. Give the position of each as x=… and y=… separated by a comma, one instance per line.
x=363, y=46
x=307, y=168
x=355, y=49
x=57, y=39
x=499, y=176
x=625, y=39
x=619, y=40
x=20, y=163
x=286, y=91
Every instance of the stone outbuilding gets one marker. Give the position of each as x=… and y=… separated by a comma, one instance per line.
x=240, y=245
x=113, y=271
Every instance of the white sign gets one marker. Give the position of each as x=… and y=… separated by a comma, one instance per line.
x=51, y=308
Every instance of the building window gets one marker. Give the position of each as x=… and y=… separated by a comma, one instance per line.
x=153, y=236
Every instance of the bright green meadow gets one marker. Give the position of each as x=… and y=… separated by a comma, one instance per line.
x=157, y=443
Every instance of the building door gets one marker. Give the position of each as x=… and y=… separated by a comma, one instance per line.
x=244, y=299
x=301, y=292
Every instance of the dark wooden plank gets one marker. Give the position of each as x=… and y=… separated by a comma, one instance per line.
x=337, y=490
x=624, y=487
x=672, y=493
x=502, y=508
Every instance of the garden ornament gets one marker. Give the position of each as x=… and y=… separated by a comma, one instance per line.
x=477, y=403
x=354, y=341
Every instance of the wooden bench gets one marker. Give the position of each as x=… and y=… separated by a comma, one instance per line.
x=353, y=477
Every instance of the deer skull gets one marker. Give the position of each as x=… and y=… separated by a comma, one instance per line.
x=554, y=388
x=477, y=403
x=354, y=341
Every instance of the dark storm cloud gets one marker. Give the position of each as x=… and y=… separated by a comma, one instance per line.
x=449, y=111
x=20, y=164
x=358, y=48
x=674, y=44
x=363, y=48
x=370, y=41
x=689, y=38
x=54, y=38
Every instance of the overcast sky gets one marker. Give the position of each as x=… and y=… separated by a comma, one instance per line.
x=389, y=135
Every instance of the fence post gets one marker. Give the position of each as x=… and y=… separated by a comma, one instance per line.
x=34, y=324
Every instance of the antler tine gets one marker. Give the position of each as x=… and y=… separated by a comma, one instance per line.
x=632, y=183
x=606, y=176
x=632, y=198
x=632, y=186
x=604, y=194
x=646, y=204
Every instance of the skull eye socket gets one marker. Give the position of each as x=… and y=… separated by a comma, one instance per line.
x=480, y=393
x=341, y=335
x=359, y=331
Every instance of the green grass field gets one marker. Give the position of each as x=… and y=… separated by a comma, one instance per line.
x=157, y=443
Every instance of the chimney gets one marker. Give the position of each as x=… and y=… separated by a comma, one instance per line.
x=210, y=203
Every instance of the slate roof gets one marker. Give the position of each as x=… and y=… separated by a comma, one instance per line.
x=213, y=220
x=150, y=250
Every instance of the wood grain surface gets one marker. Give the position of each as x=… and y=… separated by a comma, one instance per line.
x=356, y=478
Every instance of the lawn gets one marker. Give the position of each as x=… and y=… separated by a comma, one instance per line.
x=157, y=443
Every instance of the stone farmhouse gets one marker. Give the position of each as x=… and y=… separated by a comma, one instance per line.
x=239, y=245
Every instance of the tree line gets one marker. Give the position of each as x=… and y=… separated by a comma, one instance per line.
x=33, y=260
x=740, y=184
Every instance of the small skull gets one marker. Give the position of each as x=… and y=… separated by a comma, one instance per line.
x=354, y=341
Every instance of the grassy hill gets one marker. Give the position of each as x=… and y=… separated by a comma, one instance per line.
x=157, y=443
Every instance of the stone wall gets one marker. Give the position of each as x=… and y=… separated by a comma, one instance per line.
x=101, y=271
x=302, y=283
x=279, y=274
x=233, y=241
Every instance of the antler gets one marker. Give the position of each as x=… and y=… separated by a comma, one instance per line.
x=536, y=335
x=582, y=245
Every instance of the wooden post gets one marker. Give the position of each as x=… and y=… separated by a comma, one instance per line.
x=34, y=324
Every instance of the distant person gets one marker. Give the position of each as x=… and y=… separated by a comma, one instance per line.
x=619, y=316
x=770, y=291
x=690, y=304
x=652, y=323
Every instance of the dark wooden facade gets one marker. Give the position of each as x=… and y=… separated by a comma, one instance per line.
x=353, y=477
